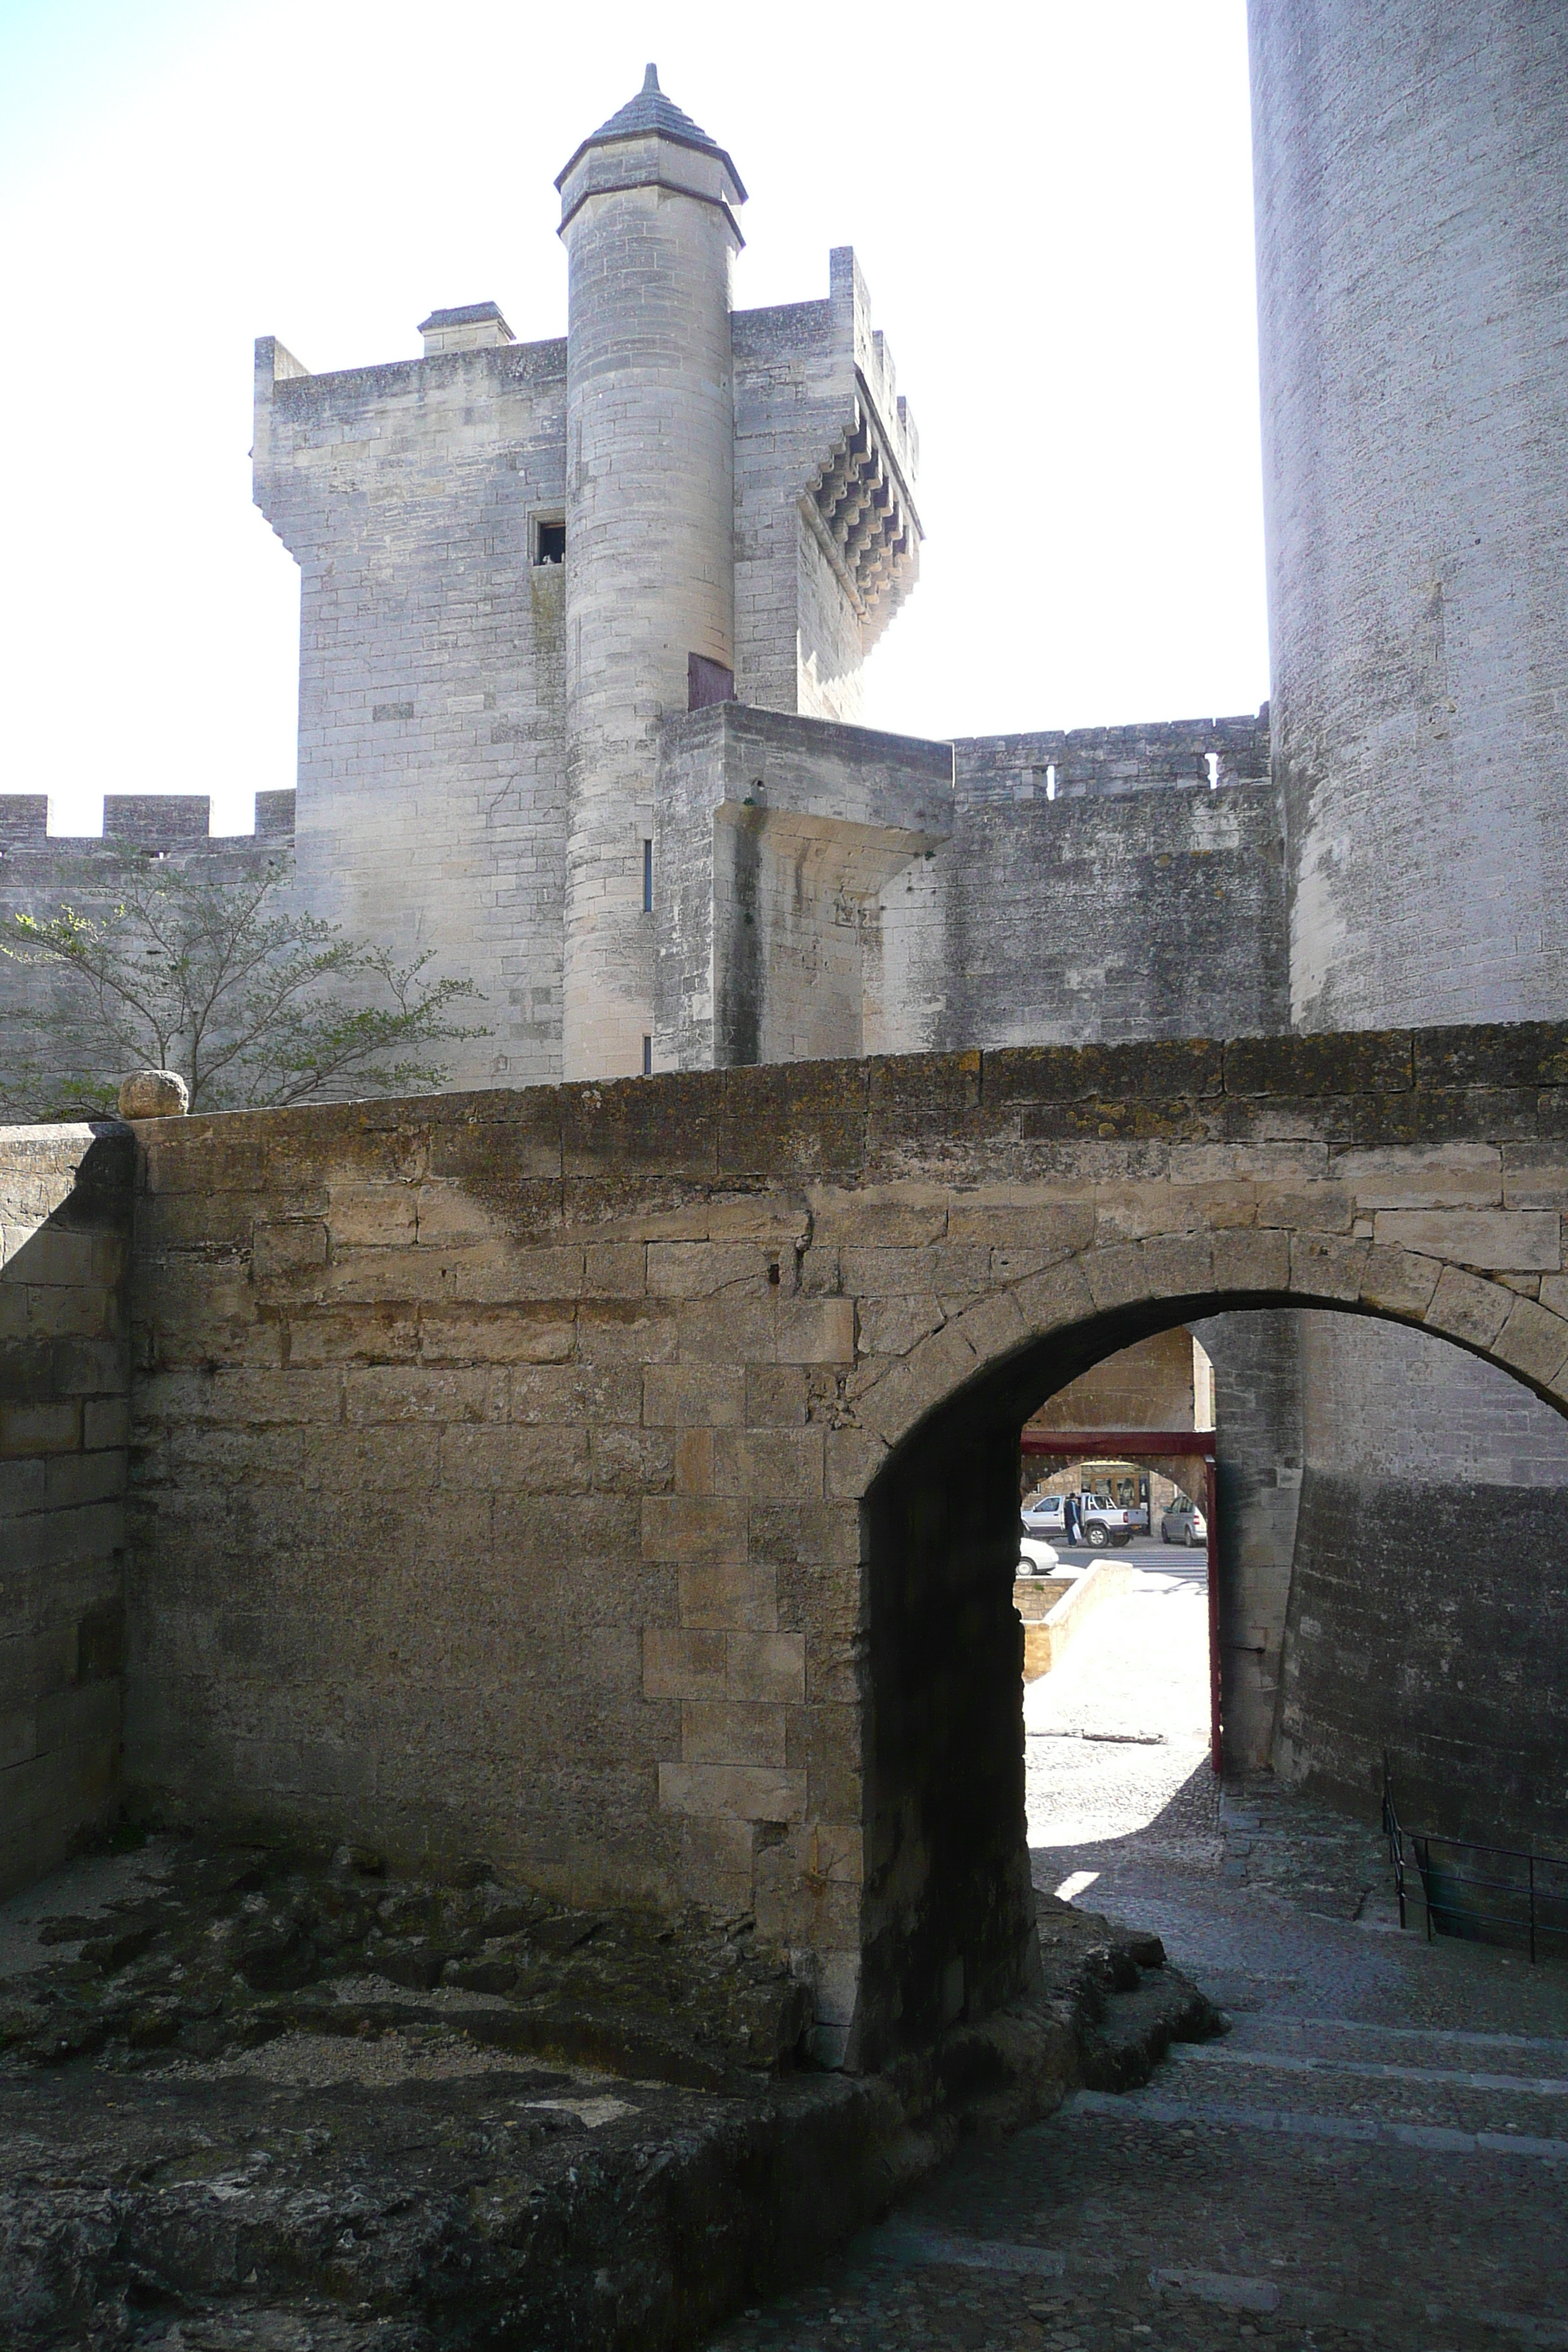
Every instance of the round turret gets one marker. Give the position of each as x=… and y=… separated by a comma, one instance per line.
x=647, y=221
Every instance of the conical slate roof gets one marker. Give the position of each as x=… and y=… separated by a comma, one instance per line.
x=650, y=113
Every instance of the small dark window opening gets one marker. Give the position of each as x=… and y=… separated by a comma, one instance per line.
x=550, y=542
x=707, y=682
x=647, y=1057
x=647, y=877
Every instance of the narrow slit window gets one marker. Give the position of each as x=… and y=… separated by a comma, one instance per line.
x=1051, y=781
x=647, y=877
x=647, y=1057
x=1213, y=760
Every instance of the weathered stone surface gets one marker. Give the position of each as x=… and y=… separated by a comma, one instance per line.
x=563, y=1489
x=453, y=2110
x=154, y=1093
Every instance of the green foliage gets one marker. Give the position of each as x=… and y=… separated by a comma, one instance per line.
x=255, y=1004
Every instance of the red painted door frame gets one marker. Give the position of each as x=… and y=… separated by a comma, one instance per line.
x=1131, y=1446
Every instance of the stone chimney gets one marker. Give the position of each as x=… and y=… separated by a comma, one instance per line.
x=477, y=327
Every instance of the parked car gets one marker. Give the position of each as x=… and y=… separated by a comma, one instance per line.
x=1183, y=1523
x=1100, y=1521
x=1106, y=1522
x=1037, y=1558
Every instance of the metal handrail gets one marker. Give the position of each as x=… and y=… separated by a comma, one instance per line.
x=1420, y=1842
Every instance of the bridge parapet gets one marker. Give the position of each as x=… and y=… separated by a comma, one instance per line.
x=510, y=1464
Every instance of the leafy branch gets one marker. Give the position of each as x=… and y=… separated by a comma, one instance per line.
x=254, y=1002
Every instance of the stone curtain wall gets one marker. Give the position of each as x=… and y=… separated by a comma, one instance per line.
x=504, y=1460
x=65, y=1202
x=432, y=689
x=39, y=873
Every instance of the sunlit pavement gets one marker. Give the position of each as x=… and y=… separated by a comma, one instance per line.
x=1376, y=2154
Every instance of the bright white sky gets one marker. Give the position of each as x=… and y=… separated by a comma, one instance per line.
x=1052, y=202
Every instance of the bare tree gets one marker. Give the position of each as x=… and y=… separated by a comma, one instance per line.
x=255, y=1004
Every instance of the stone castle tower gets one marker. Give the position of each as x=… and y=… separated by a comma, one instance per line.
x=520, y=560
x=583, y=623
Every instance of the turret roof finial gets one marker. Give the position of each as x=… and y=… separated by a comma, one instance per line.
x=651, y=114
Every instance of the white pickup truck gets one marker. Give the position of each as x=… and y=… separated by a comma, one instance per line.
x=1103, y=1521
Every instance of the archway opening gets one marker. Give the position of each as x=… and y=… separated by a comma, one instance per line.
x=948, y=1918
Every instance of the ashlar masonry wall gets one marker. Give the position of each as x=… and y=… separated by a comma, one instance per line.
x=432, y=795
x=65, y=1203
x=511, y=1469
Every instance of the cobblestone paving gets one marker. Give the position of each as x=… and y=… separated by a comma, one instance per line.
x=1375, y=2156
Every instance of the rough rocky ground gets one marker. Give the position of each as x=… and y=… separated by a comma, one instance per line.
x=1374, y=2156
x=259, y=2095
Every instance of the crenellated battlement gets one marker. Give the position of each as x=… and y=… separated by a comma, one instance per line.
x=162, y=824
x=1081, y=763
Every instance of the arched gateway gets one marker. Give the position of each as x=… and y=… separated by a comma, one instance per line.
x=621, y=1480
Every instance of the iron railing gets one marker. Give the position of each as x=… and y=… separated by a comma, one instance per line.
x=1485, y=1893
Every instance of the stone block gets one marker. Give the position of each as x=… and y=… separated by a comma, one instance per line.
x=699, y=1269
x=891, y=1327
x=1161, y=1069
x=528, y=1460
x=852, y=1458
x=1247, y=1261
x=1527, y=1054
x=993, y=1327
x=769, y=1464
x=775, y=1396
x=821, y=1535
x=1516, y=1241
x=1061, y=1296
x=715, y=1863
x=535, y=1331
x=370, y=1216
x=727, y=1593
x=833, y=1671
x=1533, y=1340
x=1325, y=1208
x=719, y=1732
x=815, y=1331
x=684, y=1663
x=1467, y=1308
x=491, y=1142
x=580, y=1391
x=614, y=1270
x=1360, y=1062
x=701, y=1530
x=1535, y=1176
x=634, y=1329
x=66, y=1311
x=419, y=1392
x=362, y=1334
x=377, y=1461
x=496, y=1273
x=694, y=1461
x=741, y=1792
x=361, y=1277
x=764, y=1665
x=1327, y=1265
x=1423, y=1176
x=737, y=1328
x=669, y=1124
x=904, y=1216
x=693, y=1395
x=801, y=1118
x=42, y=1428
x=1399, y=1283
x=438, y=1215
x=631, y=1461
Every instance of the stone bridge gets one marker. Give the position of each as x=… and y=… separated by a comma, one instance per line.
x=621, y=1481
